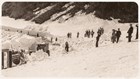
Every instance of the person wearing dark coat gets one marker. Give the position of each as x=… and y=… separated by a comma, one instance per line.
x=102, y=30
x=37, y=35
x=92, y=33
x=137, y=32
x=67, y=46
x=130, y=31
x=88, y=33
x=56, y=39
x=68, y=35
x=113, y=37
x=78, y=35
x=48, y=52
x=118, y=34
x=98, y=37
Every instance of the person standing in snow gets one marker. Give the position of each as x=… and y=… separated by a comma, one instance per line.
x=137, y=32
x=51, y=39
x=48, y=52
x=67, y=35
x=92, y=33
x=113, y=38
x=67, y=46
x=56, y=39
x=77, y=34
x=118, y=34
x=37, y=35
x=102, y=30
x=130, y=31
x=89, y=33
x=98, y=37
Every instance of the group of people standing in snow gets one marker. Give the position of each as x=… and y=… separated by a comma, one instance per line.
x=69, y=35
x=130, y=31
x=116, y=34
x=89, y=33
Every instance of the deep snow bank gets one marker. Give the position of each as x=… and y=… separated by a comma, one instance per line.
x=15, y=40
x=82, y=22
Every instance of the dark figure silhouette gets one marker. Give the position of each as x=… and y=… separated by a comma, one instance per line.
x=78, y=35
x=137, y=32
x=102, y=30
x=67, y=46
x=113, y=38
x=68, y=35
x=118, y=34
x=92, y=33
x=98, y=37
x=130, y=31
x=55, y=39
x=48, y=52
x=37, y=35
x=88, y=33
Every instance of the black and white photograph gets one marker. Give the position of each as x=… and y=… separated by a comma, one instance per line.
x=69, y=39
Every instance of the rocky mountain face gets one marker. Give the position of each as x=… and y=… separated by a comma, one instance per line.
x=39, y=12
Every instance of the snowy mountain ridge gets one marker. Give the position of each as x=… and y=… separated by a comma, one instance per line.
x=40, y=12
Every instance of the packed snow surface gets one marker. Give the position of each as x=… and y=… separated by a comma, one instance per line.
x=83, y=60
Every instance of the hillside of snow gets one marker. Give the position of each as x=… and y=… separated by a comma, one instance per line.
x=84, y=59
x=73, y=25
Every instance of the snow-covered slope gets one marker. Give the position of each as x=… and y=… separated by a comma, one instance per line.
x=83, y=60
x=78, y=23
x=110, y=60
x=20, y=23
